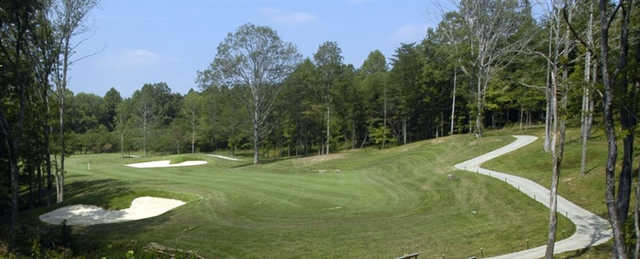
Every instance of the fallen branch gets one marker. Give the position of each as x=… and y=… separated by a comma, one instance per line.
x=160, y=249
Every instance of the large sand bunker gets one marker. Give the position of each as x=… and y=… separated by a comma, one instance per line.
x=165, y=163
x=141, y=208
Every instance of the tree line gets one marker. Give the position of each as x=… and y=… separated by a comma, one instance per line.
x=488, y=63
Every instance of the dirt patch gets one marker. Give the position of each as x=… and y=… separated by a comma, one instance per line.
x=305, y=161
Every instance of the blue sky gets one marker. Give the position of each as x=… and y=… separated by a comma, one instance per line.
x=147, y=41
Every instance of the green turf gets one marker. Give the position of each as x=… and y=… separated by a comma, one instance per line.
x=367, y=203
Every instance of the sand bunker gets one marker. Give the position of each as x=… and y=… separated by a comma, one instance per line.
x=165, y=163
x=141, y=208
x=225, y=157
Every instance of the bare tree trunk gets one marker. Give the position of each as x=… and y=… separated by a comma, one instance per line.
x=47, y=135
x=549, y=109
x=559, y=121
x=122, y=143
x=521, y=116
x=193, y=131
x=144, y=133
x=63, y=87
x=384, y=123
x=12, y=143
x=39, y=176
x=256, y=137
x=586, y=99
x=328, y=128
x=15, y=188
x=610, y=173
x=557, y=154
x=60, y=167
x=636, y=215
x=353, y=135
x=479, y=107
x=553, y=217
x=627, y=119
x=453, y=103
x=404, y=131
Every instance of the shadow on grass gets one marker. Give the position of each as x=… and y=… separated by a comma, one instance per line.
x=95, y=192
x=88, y=241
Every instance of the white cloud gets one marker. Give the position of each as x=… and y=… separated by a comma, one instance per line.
x=132, y=59
x=409, y=33
x=140, y=57
x=281, y=16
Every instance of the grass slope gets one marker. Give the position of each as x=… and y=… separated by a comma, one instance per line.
x=366, y=203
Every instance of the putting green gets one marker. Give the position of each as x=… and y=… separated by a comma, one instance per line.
x=366, y=203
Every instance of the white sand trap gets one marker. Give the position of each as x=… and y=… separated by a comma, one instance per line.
x=141, y=208
x=165, y=163
x=225, y=157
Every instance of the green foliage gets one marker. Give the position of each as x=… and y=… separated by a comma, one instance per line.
x=379, y=133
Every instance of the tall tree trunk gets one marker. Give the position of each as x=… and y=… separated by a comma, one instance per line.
x=404, y=131
x=585, y=92
x=353, y=135
x=65, y=69
x=144, y=132
x=193, y=131
x=256, y=136
x=31, y=173
x=549, y=109
x=453, y=103
x=328, y=128
x=479, y=107
x=39, y=169
x=636, y=212
x=48, y=131
x=636, y=82
x=627, y=119
x=521, y=116
x=122, y=144
x=12, y=137
x=384, y=123
x=557, y=154
x=610, y=173
x=559, y=121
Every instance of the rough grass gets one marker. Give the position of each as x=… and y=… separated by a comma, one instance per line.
x=585, y=190
x=368, y=203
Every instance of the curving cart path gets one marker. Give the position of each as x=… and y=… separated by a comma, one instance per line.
x=591, y=230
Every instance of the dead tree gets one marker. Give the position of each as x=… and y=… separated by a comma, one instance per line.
x=562, y=45
x=492, y=28
x=70, y=15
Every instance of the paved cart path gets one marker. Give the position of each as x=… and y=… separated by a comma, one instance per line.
x=591, y=230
